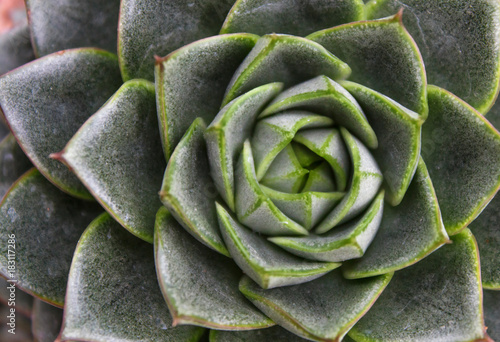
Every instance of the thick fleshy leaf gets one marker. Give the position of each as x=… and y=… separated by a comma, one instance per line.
x=13, y=163
x=459, y=42
x=205, y=66
x=46, y=321
x=382, y=56
x=320, y=179
x=493, y=115
x=188, y=190
x=154, y=27
x=4, y=130
x=346, y=242
x=56, y=94
x=462, y=152
x=437, y=299
x=10, y=294
x=275, y=334
x=491, y=302
x=227, y=133
x=280, y=58
x=113, y=293
x=328, y=144
x=364, y=185
x=306, y=207
x=265, y=263
x=273, y=134
x=199, y=285
x=320, y=310
x=15, y=48
x=285, y=172
x=487, y=233
x=254, y=208
x=407, y=233
x=398, y=130
x=321, y=95
x=289, y=16
x=61, y=24
x=117, y=154
x=44, y=224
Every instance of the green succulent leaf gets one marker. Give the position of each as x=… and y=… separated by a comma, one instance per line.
x=276, y=334
x=13, y=163
x=200, y=286
x=149, y=28
x=207, y=66
x=280, y=58
x=320, y=310
x=24, y=302
x=4, y=130
x=265, y=263
x=56, y=94
x=462, y=153
x=493, y=115
x=487, y=234
x=459, y=42
x=254, y=208
x=227, y=133
x=320, y=179
x=491, y=301
x=188, y=190
x=46, y=321
x=407, y=233
x=46, y=224
x=437, y=299
x=342, y=243
x=398, y=130
x=59, y=24
x=324, y=96
x=291, y=17
x=112, y=283
x=117, y=154
x=382, y=56
x=15, y=48
x=364, y=185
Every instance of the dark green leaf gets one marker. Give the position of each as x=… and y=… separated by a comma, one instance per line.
x=275, y=334
x=200, y=286
x=113, y=293
x=462, y=153
x=46, y=321
x=155, y=27
x=15, y=48
x=56, y=94
x=491, y=301
x=13, y=163
x=46, y=224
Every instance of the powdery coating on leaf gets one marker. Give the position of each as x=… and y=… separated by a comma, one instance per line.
x=438, y=299
x=112, y=283
x=201, y=286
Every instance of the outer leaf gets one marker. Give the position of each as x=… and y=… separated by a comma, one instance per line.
x=46, y=321
x=492, y=313
x=288, y=16
x=398, y=130
x=46, y=223
x=112, y=284
x=200, y=286
x=487, y=233
x=15, y=48
x=276, y=334
x=13, y=163
x=462, y=151
x=280, y=58
x=407, y=233
x=265, y=263
x=117, y=155
x=56, y=94
x=154, y=27
x=382, y=56
x=459, y=41
x=9, y=293
x=62, y=24
x=320, y=310
x=207, y=66
x=438, y=299
x=188, y=190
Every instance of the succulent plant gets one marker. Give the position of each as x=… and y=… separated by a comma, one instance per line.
x=318, y=170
